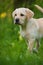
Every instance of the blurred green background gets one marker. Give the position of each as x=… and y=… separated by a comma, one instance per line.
x=13, y=48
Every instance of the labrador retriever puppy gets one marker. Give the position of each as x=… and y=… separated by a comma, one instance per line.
x=30, y=28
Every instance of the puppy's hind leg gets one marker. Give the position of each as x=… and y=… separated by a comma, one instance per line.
x=37, y=46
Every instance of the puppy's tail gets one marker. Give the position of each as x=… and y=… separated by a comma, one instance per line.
x=39, y=8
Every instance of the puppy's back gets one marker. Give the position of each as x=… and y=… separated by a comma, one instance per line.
x=40, y=24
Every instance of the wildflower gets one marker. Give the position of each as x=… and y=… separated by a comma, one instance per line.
x=3, y=15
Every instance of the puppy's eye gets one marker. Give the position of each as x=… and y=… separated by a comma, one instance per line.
x=15, y=14
x=22, y=14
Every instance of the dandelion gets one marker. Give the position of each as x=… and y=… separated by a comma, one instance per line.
x=3, y=15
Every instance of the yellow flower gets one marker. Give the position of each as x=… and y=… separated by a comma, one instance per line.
x=3, y=15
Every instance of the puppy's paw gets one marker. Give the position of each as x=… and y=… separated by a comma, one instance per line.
x=35, y=50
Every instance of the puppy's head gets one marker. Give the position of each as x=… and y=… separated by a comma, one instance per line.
x=20, y=15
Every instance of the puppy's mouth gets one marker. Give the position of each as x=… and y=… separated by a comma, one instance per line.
x=18, y=23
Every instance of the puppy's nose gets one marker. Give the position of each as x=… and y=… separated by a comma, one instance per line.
x=17, y=20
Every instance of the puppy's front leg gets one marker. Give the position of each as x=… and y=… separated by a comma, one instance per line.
x=31, y=44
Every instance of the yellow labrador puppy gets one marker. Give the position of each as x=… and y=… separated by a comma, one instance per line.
x=31, y=29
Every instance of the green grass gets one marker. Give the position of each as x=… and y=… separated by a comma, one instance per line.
x=13, y=50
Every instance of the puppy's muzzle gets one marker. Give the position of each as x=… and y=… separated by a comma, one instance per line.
x=17, y=21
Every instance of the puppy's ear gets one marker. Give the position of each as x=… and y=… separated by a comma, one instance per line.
x=29, y=13
x=13, y=14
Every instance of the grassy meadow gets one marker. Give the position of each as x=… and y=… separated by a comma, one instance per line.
x=13, y=48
